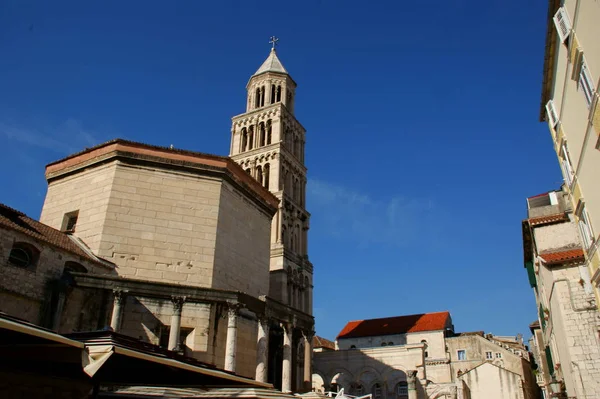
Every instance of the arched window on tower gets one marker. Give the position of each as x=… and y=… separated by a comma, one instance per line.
x=244, y=139
x=266, y=173
x=296, y=189
x=272, y=94
x=269, y=131
x=292, y=145
x=257, y=98
x=297, y=147
x=249, y=171
x=262, y=96
x=293, y=191
x=261, y=134
x=283, y=236
x=293, y=242
x=306, y=294
x=279, y=93
x=259, y=174
x=251, y=137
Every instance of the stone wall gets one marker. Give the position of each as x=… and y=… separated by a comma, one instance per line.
x=387, y=366
x=243, y=248
x=166, y=225
x=435, y=342
x=25, y=291
x=572, y=329
x=476, y=348
x=491, y=382
x=89, y=192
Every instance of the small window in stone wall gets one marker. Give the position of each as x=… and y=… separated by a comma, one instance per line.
x=23, y=255
x=462, y=354
x=70, y=221
x=488, y=355
x=402, y=390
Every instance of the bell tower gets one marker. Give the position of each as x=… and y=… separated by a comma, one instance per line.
x=268, y=142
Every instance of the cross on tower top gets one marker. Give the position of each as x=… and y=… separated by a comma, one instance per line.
x=274, y=41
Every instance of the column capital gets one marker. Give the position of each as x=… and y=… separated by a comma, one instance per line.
x=120, y=295
x=233, y=309
x=177, y=302
x=308, y=335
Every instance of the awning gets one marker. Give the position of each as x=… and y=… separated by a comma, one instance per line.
x=105, y=358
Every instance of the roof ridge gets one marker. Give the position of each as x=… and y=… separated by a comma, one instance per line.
x=13, y=209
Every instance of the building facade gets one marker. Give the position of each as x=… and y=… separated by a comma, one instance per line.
x=570, y=107
x=175, y=247
x=418, y=356
x=565, y=339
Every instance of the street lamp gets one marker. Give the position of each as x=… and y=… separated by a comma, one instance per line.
x=556, y=388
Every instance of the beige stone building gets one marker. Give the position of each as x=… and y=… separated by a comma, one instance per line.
x=420, y=356
x=570, y=107
x=180, y=249
x=565, y=340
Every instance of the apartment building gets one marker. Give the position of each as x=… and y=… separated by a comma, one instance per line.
x=570, y=107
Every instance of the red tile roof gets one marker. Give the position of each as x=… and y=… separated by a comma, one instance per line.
x=571, y=255
x=396, y=325
x=320, y=342
x=549, y=219
x=14, y=220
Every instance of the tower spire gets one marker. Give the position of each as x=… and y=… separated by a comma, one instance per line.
x=273, y=42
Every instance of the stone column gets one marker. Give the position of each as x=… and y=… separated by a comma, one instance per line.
x=411, y=379
x=119, y=300
x=231, y=345
x=175, y=332
x=286, y=375
x=308, y=336
x=262, y=350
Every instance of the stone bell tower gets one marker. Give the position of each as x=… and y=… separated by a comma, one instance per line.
x=268, y=142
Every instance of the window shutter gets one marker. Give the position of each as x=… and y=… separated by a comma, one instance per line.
x=562, y=23
x=586, y=84
x=551, y=113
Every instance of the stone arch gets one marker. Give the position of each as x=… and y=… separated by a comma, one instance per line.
x=443, y=392
x=318, y=382
x=393, y=376
x=341, y=377
x=368, y=376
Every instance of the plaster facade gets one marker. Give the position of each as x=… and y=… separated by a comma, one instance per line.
x=571, y=108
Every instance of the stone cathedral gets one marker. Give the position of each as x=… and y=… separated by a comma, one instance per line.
x=200, y=254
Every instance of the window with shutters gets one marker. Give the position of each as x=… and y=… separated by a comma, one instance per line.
x=566, y=165
x=551, y=113
x=585, y=83
x=402, y=390
x=562, y=24
x=489, y=356
x=585, y=228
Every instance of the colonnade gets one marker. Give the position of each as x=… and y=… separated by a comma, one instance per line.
x=262, y=346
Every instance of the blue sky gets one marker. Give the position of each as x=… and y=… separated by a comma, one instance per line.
x=423, y=138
